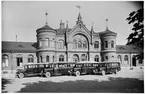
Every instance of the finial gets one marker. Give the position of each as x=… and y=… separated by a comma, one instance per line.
x=92, y=24
x=92, y=30
x=66, y=24
x=46, y=17
x=106, y=23
x=60, y=21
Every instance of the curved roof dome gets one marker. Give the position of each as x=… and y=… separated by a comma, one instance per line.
x=107, y=32
x=46, y=28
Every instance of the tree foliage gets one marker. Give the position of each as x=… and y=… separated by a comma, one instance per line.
x=137, y=37
x=136, y=18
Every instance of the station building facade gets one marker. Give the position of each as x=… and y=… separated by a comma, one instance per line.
x=69, y=44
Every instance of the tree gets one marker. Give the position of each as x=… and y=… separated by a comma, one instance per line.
x=137, y=37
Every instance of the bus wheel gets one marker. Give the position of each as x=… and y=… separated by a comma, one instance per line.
x=21, y=75
x=47, y=74
x=77, y=73
x=103, y=72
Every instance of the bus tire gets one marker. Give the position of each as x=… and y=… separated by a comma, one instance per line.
x=21, y=75
x=77, y=73
x=103, y=72
x=48, y=74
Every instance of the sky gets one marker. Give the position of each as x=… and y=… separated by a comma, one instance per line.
x=23, y=18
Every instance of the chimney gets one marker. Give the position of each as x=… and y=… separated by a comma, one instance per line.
x=61, y=25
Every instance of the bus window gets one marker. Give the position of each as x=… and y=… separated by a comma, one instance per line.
x=29, y=66
x=56, y=65
x=35, y=66
x=89, y=65
x=41, y=65
x=25, y=67
x=46, y=65
x=60, y=65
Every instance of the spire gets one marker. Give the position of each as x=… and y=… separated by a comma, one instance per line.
x=91, y=34
x=46, y=17
x=92, y=29
x=106, y=24
x=79, y=17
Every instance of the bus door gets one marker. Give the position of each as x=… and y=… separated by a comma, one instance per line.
x=65, y=68
x=40, y=67
x=85, y=68
x=30, y=70
x=57, y=69
x=78, y=67
x=102, y=66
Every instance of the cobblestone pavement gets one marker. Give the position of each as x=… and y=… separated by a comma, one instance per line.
x=124, y=81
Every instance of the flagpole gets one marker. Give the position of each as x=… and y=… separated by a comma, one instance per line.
x=106, y=23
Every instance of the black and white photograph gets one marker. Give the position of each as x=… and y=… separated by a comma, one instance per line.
x=72, y=46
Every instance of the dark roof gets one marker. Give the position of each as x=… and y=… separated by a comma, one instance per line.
x=46, y=27
x=107, y=32
x=62, y=31
x=8, y=46
x=128, y=49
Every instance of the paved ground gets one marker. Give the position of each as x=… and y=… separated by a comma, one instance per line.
x=126, y=81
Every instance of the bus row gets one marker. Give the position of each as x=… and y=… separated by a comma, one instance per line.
x=68, y=68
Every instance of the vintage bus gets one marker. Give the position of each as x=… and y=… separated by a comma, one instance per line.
x=108, y=67
x=68, y=68
x=44, y=69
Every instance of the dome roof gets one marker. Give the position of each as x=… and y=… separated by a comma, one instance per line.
x=46, y=28
x=107, y=32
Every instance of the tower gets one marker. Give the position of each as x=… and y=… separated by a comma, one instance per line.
x=46, y=43
x=108, y=39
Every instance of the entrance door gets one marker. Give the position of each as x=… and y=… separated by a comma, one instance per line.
x=133, y=61
x=19, y=61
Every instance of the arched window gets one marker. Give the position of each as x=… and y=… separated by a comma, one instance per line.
x=75, y=58
x=47, y=58
x=112, y=58
x=106, y=44
x=30, y=59
x=40, y=43
x=53, y=58
x=106, y=58
x=126, y=58
x=61, y=44
x=96, y=58
x=83, y=57
x=19, y=59
x=85, y=44
x=5, y=60
x=112, y=44
x=79, y=44
x=48, y=42
x=41, y=59
x=74, y=44
x=61, y=58
x=96, y=44
x=119, y=58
